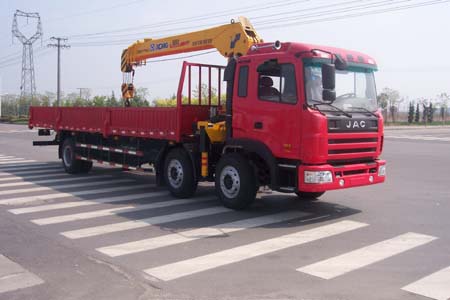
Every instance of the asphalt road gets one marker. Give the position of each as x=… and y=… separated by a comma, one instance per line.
x=124, y=238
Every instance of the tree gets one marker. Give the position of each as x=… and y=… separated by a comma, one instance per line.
x=99, y=101
x=411, y=113
x=417, y=116
x=430, y=113
x=204, y=92
x=140, y=98
x=383, y=103
x=425, y=113
x=392, y=100
x=443, y=102
x=112, y=101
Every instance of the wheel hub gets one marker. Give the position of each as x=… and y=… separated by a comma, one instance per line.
x=230, y=182
x=175, y=173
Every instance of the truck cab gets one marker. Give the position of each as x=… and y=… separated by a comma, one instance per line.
x=311, y=137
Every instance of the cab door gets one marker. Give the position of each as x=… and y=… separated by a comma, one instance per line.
x=267, y=107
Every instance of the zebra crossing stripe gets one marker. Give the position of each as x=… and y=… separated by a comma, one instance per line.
x=49, y=181
x=111, y=211
x=139, y=223
x=14, y=277
x=342, y=264
x=48, y=207
x=28, y=199
x=24, y=178
x=15, y=162
x=237, y=254
x=63, y=186
x=195, y=234
x=9, y=158
x=435, y=286
x=4, y=171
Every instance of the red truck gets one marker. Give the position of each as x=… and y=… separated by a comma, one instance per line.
x=298, y=118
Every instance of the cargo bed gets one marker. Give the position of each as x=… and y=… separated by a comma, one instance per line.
x=168, y=123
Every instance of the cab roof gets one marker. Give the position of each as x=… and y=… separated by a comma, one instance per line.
x=302, y=50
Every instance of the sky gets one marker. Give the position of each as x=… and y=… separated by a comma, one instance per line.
x=410, y=46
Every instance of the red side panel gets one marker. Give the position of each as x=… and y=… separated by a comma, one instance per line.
x=159, y=123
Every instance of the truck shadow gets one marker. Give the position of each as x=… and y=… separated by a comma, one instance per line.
x=309, y=212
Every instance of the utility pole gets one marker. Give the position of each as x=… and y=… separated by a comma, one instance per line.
x=58, y=45
x=81, y=92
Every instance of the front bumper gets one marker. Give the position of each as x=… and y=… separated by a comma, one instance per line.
x=345, y=176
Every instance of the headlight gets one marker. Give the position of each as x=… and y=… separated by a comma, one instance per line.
x=318, y=177
x=382, y=170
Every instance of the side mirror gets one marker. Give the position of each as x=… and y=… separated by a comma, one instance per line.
x=328, y=82
x=328, y=77
x=329, y=95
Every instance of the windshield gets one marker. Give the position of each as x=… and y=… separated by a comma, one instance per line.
x=355, y=88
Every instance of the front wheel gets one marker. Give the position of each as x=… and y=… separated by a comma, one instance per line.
x=235, y=181
x=179, y=174
x=309, y=196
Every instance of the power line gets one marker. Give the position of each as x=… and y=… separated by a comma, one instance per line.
x=193, y=18
x=95, y=11
x=348, y=16
x=281, y=22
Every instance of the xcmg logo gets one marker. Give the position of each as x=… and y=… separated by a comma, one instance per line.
x=160, y=46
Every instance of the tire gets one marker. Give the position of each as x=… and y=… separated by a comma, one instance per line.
x=179, y=174
x=86, y=166
x=235, y=181
x=309, y=196
x=70, y=163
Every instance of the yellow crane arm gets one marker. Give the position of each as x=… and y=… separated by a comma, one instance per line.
x=230, y=40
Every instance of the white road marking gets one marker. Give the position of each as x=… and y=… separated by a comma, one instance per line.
x=26, y=169
x=14, y=162
x=435, y=286
x=18, y=131
x=111, y=211
x=14, y=277
x=39, y=208
x=47, y=174
x=9, y=158
x=233, y=255
x=30, y=199
x=65, y=186
x=49, y=181
x=419, y=137
x=195, y=234
x=342, y=264
x=139, y=223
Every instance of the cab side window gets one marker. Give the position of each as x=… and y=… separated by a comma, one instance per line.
x=277, y=83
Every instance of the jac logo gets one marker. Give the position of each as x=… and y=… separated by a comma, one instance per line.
x=356, y=124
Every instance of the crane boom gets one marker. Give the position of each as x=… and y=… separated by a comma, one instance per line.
x=230, y=40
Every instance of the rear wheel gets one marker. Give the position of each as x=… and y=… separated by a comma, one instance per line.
x=179, y=174
x=86, y=166
x=69, y=161
x=309, y=196
x=235, y=181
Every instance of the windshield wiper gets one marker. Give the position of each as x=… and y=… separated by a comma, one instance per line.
x=365, y=110
x=316, y=103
